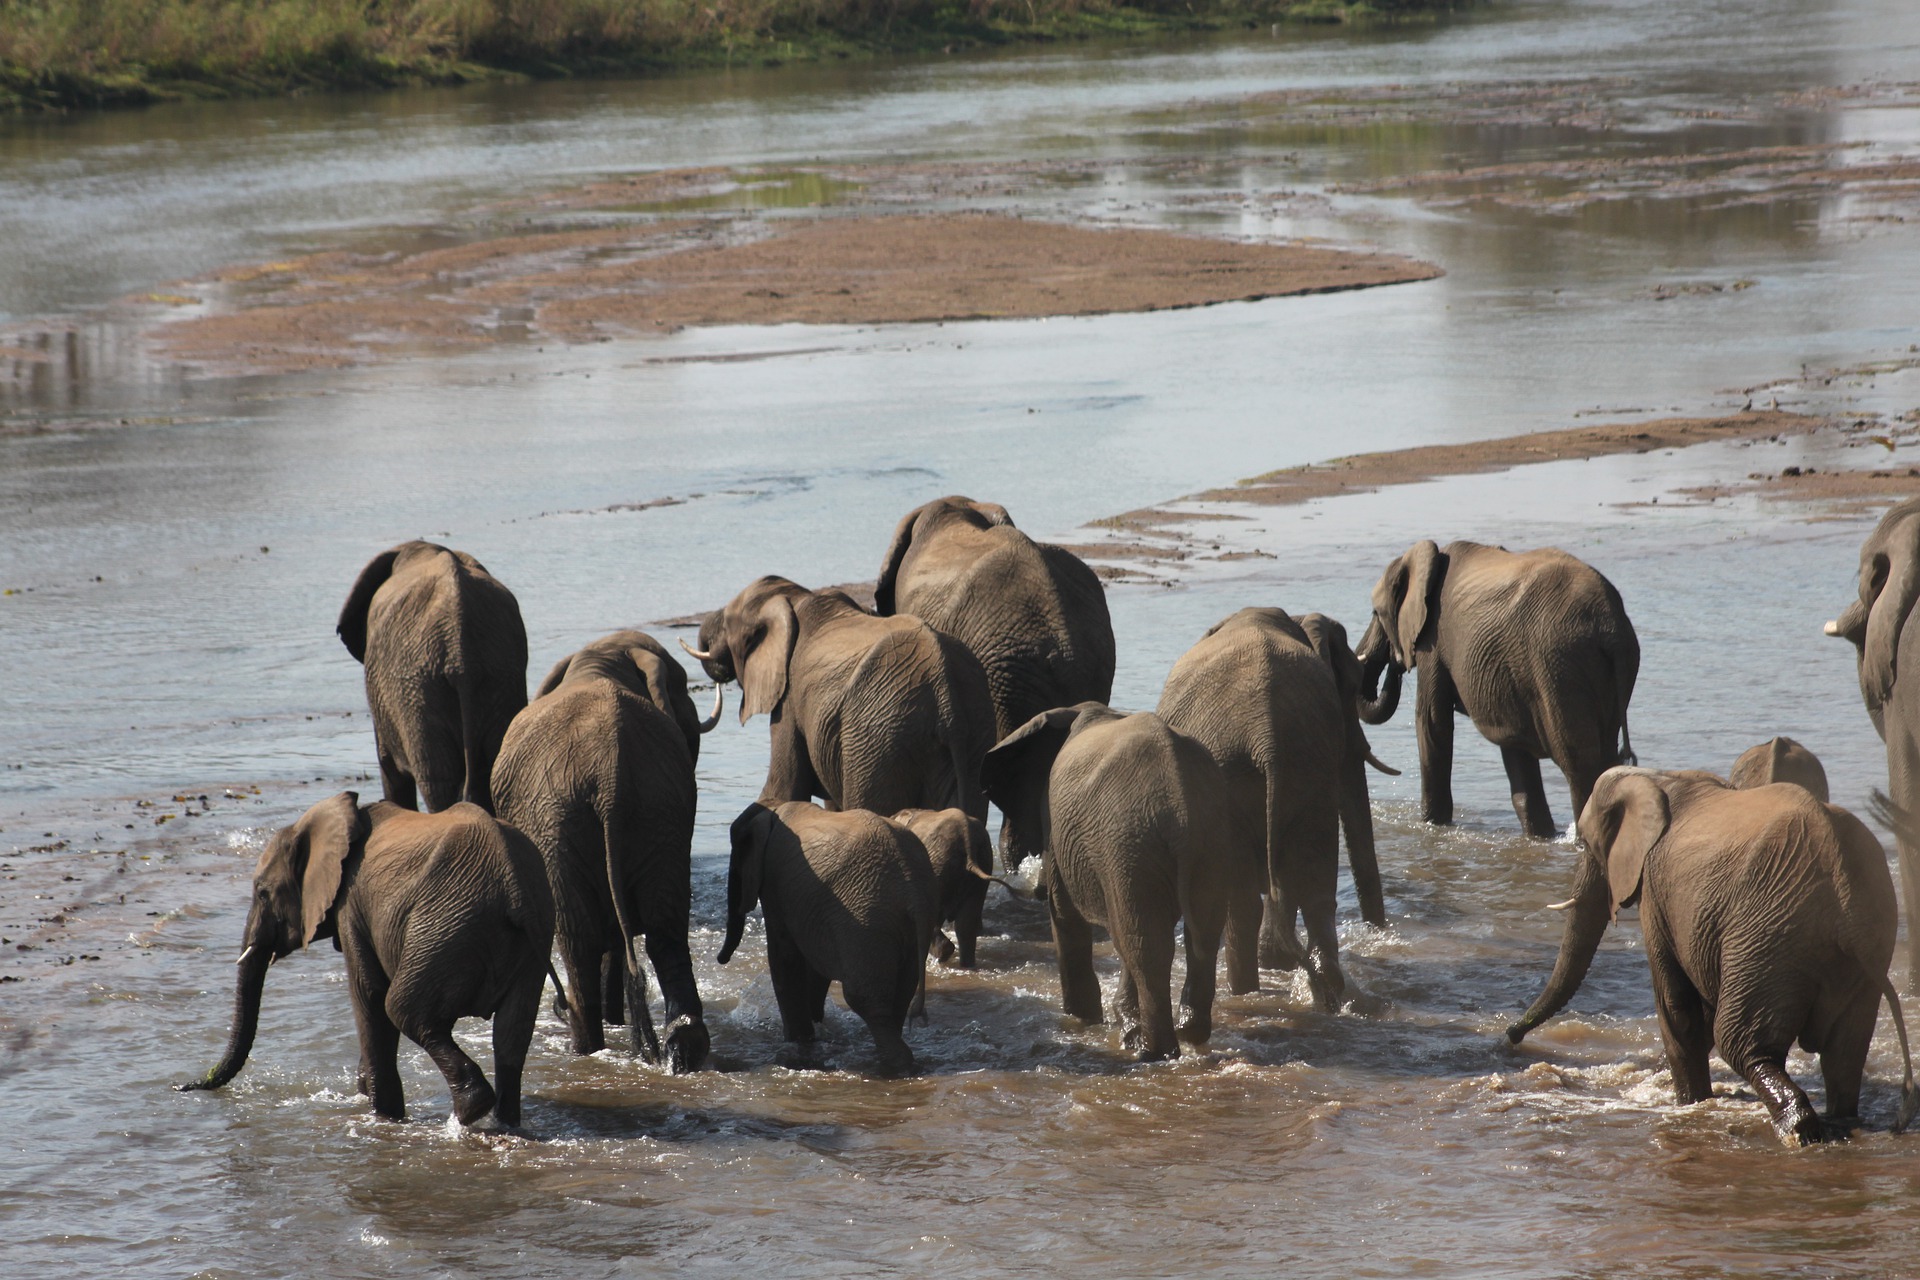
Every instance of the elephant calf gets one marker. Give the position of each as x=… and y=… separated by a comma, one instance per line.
x=441, y=916
x=598, y=772
x=961, y=855
x=1768, y=918
x=1134, y=822
x=1780, y=760
x=849, y=896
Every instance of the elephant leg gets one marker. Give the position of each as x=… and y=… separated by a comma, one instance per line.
x=473, y=1097
x=966, y=929
x=1279, y=939
x=397, y=783
x=880, y=992
x=1754, y=1029
x=1323, y=960
x=1205, y=922
x=1843, y=1058
x=1243, y=943
x=584, y=1009
x=1685, y=1031
x=1910, y=893
x=1433, y=725
x=792, y=984
x=613, y=988
x=512, y=1036
x=817, y=987
x=1307, y=870
x=1529, y=792
x=379, y=1053
x=688, y=1042
x=1073, y=949
x=1146, y=998
x=790, y=772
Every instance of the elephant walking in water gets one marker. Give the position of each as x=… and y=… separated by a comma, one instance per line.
x=869, y=713
x=598, y=772
x=1278, y=713
x=446, y=667
x=1768, y=918
x=1034, y=614
x=1534, y=646
x=442, y=916
x=1887, y=651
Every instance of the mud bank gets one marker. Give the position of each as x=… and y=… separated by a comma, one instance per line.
x=337, y=308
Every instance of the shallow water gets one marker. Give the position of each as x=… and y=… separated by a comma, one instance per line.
x=179, y=576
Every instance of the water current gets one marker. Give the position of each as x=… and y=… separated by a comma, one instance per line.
x=176, y=548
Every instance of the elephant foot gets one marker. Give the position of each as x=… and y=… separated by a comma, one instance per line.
x=797, y=1056
x=1165, y=1053
x=1196, y=1028
x=942, y=949
x=472, y=1100
x=1800, y=1127
x=687, y=1045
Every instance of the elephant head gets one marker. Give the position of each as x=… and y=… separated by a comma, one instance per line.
x=1780, y=760
x=748, y=836
x=1627, y=815
x=920, y=523
x=1016, y=773
x=752, y=640
x=297, y=887
x=641, y=665
x=1329, y=641
x=1405, y=602
x=1889, y=588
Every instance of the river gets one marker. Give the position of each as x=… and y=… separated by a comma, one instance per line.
x=176, y=549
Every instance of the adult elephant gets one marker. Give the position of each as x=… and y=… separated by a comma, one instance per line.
x=1887, y=651
x=1257, y=693
x=598, y=772
x=441, y=916
x=870, y=713
x=1034, y=614
x=446, y=670
x=1768, y=918
x=1534, y=646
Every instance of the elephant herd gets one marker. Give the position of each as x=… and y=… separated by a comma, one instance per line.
x=982, y=673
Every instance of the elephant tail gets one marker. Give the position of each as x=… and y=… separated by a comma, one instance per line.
x=1627, y=755
x=639, y=1011
x=1909, y=1096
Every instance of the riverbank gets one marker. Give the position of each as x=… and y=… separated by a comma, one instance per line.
x=63, y=54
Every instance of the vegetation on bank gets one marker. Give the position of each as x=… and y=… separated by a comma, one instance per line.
x=56, y=54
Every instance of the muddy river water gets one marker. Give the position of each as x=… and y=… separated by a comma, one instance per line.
x=1640, y=211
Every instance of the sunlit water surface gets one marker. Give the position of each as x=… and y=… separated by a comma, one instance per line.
x=178, y=579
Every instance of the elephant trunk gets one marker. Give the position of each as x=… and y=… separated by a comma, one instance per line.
x=736, y=924
x=1378, y=707
x=246, y=1019
x=1588, y=921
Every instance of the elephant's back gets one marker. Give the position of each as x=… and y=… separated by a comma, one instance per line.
x=856, y=863
x=1255, y=695
x=454, y=872
x=442, y=611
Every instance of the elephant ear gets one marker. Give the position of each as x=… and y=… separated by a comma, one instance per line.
x=1422, y=566
x=1024, y=758
x=1626, y=816
x=1330, y=642
x=1894, y=582
x=555, y=676
x=353, y=615
x=995, y=513
x=329, y=833
x=762, y=655
x=883, y=601
x=748, y=838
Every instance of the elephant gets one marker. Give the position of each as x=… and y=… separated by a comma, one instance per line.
x=1133, y=822
x=961, y=855
x=849, y=896
x=441, y=916
x=1535, y=646
x=1034, y=614
x=1768, y=917
x=446, y=670
x=869, y=713
x=1266, y=703
x=598, y=772
x=1876, y=624
x=1780, y=760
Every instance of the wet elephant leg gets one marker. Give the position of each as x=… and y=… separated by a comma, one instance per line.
x=1529, y=792
x=473, y=1097
x=512, y=1036
x=1685, y=1031
x=1843, y=1058
x=1073, y=949
x=1205, y=922
x=1433, y=725
x=379, y=1052
x=397, y=783
x=1279, y=937
x=1754, y=1027
x=1243, y=943
x=1356, y=819
x=585, y=997
x=792, y=984
x=613, y=988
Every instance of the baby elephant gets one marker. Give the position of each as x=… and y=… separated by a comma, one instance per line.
x=1768, y=918
x=961, y=855
x=442, y=916
x=1133, y=820
x=1780, y=760
x=849, y=895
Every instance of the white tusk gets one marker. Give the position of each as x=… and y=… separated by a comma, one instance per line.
x=1562, y=906
x=244, y=955
x=704, y=657
x=1382, y=766
x=719, y=701
x=1833, y=627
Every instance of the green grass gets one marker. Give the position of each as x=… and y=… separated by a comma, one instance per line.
x=56, y=54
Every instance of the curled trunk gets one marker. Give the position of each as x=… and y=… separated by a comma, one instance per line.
x=246, y=1019
x=1588, y=921
x=1378, y=708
